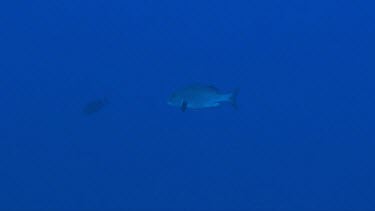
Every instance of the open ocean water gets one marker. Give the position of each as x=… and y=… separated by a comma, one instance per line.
x=85, y=123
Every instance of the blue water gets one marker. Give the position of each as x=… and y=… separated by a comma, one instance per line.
x=302, y=137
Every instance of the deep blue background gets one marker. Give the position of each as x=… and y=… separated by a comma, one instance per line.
x=302, y=138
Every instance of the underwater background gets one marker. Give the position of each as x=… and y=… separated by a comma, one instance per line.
x=85, y=124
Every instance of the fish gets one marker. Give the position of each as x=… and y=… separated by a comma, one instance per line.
x=95, y=106
x=199, y=96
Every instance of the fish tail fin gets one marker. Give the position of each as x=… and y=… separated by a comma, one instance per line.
x=233, y=98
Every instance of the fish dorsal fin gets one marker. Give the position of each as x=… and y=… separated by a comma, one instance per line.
x=213, y=88
x=183, y=106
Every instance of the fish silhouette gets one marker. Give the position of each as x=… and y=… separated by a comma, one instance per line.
x=95, y=106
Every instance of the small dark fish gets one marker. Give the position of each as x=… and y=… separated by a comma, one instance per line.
x=94, y=106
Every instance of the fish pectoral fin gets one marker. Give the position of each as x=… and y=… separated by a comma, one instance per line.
x=183, y=106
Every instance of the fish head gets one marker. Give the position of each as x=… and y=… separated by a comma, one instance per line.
x=175, y=100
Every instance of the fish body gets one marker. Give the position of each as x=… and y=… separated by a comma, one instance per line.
x=94, y=106
x=200, y=96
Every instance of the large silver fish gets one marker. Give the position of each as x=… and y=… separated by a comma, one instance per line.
x=200, y=96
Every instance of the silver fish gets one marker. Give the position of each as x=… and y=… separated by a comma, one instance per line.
x=200, y=96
